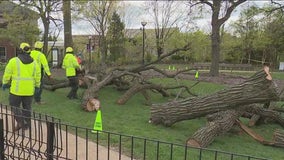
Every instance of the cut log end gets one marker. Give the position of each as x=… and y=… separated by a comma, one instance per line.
x=93, y=105
x=266, y=70
x=193, y=143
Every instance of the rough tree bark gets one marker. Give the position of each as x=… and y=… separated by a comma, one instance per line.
x=278, y=138
x=259, y=88
x=92, y=91
x=265, y=113
x=221, y=122
x=218, y=124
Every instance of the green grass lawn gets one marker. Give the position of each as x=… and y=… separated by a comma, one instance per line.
x=132, y=119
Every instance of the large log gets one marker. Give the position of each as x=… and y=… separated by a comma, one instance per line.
x=278, y=138
x=223, y=121
x=259, y=88
x=220, y=124
x=106, y=76
x=138, y=88
x=266, y=113
x=53, y=84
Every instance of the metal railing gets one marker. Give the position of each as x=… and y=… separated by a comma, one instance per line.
x=49, y=138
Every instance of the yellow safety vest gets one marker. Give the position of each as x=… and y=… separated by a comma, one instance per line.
x=70, y=64
x=24, y=77
x=40, y=58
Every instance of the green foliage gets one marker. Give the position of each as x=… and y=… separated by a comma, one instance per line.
x=115, y=37
x=260, y=36
x=149, y=57
x=201, y=46
x=21, y=24
x=231, y=51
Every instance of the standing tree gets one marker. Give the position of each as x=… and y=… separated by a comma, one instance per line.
x=98, y=14
x=274, y=29
x=115, y=37
x=45, y=10
x=247, y=28
x=67, y=24
x=165, y=19
x=217, y=20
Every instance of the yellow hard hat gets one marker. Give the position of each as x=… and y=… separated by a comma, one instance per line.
x=69, y=50
x=38, y=44
x=25, y=47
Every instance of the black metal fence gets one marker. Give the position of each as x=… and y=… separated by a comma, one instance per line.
x=49, y=138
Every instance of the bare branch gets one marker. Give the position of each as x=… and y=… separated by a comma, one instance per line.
x=206, y=2
x=230, y=10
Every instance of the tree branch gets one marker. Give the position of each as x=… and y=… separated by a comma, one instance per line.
x=230, y=10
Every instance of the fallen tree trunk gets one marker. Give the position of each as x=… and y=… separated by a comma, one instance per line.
x=55, y=86
x=219, y=124
x=278, y=138
x=265, y=113
x=106, y=78
x=138, y=88
x=259, y=88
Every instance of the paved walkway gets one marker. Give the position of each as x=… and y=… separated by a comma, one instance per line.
x=68, y=146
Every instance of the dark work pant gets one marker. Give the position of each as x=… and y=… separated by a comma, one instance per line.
x=74, y=84
x=22, y=116
x=37, y=96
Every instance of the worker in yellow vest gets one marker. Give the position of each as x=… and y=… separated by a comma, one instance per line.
x=22, y=76
x=70, y=64
x=40, y=58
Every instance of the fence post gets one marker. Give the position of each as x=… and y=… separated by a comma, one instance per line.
x=50, y=137
x=2, y=152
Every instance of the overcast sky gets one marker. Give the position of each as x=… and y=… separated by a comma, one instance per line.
x=135, y=13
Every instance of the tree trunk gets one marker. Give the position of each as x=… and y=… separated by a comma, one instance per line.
x=215, y=39
x=53, y=84
x=267, y=114
x=68, y=42
x=92, y=91
x=215, y=49
x=138, y=88
x=278, y=137
x=220, y=124
x=257, y=89
x=56, y=86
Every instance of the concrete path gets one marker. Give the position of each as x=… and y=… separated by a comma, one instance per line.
x=32, y=143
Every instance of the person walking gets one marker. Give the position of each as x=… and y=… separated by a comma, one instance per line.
x=22, y=76
x=40, y=58
x=70, y=64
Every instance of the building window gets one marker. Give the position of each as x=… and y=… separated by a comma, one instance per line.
x=2, y=53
